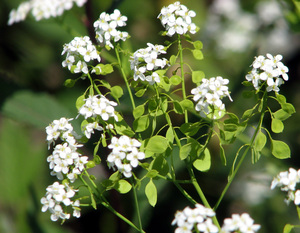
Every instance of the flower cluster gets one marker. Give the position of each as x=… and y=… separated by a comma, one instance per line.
x=42, y=9
x=287, y=181
x=240, y=223
x=79, y=51
x=65, y=161
x=209, y=95
x=59, y=195
x=125, y=154
x=144, y=61
x=106, y=28
x=269, y=70
x=177, y=18
x=199, y=217
x=98, y=105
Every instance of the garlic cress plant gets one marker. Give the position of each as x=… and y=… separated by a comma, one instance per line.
x=155, y=80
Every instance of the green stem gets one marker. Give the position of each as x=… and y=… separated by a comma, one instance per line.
x=109, y=207
x=137, y=207
x=182, y=77
x=124, y=76
x=258, y=128
x=201, y=195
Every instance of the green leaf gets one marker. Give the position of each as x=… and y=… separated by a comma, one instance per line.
x=281, y=99
x=37, y=109
x=105, y=84
x=247, y=113
x=116, y=92
x=141, y=92
x=69, y=82
x=103, y=69
x=197, y=76
x=192, y=148
x=157, y=144
x=141, y=124
x=288, y=228
x=177, y=107
x=152, y=174
x=197, y=53
x=187, y=104
x=289, y=108
x=173, y=60
x=175, y=80
x=170, y=135
x=151, y=193
x=222, y=155
x=281, y=115
x=138, y=111
x=277, y=126
x=198, y=44
x=190, y=129
x=161, y=165
x=280, y=149
x=122, y=186
x=260, y=141
x=80, y=101
x=203, y=164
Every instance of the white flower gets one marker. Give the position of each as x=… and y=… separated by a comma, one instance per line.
x=200, y=217
x=98, y=105
x=241, y=223
x=125, y=154
x=269, y=70
x=209, y=94
x=177, y=18
x=79, y=51
x=42, y=9
x=106, y=28
x=145, y=61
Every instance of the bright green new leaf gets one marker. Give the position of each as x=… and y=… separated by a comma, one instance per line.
x=281, y=115
x=157, y=144
x=173, y=60
x=280, y=149
x=151, y=193
x=197, y=76
x=138, y=111
x=141, y=124
x=116, y=92
x=104, y=69
x=122, y=186
x=141, y=92
x=69, y=82
x=197, y=53
x=203, y=164
x=187, y=104
x=198, y=44
x=80, y=101
x=260, y=141
x=288, y=228
x=170, y=135
x=289, y=108
x=281, y=99
x=175, y=80
x=277, y=126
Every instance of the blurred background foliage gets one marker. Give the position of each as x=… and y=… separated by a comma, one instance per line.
x=32, y=95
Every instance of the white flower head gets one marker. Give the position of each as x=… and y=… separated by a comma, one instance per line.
x=106, y=28
x=209, y=94
x=79, y=52
x=268, y=70
x=177, y=19
x=125, y=154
